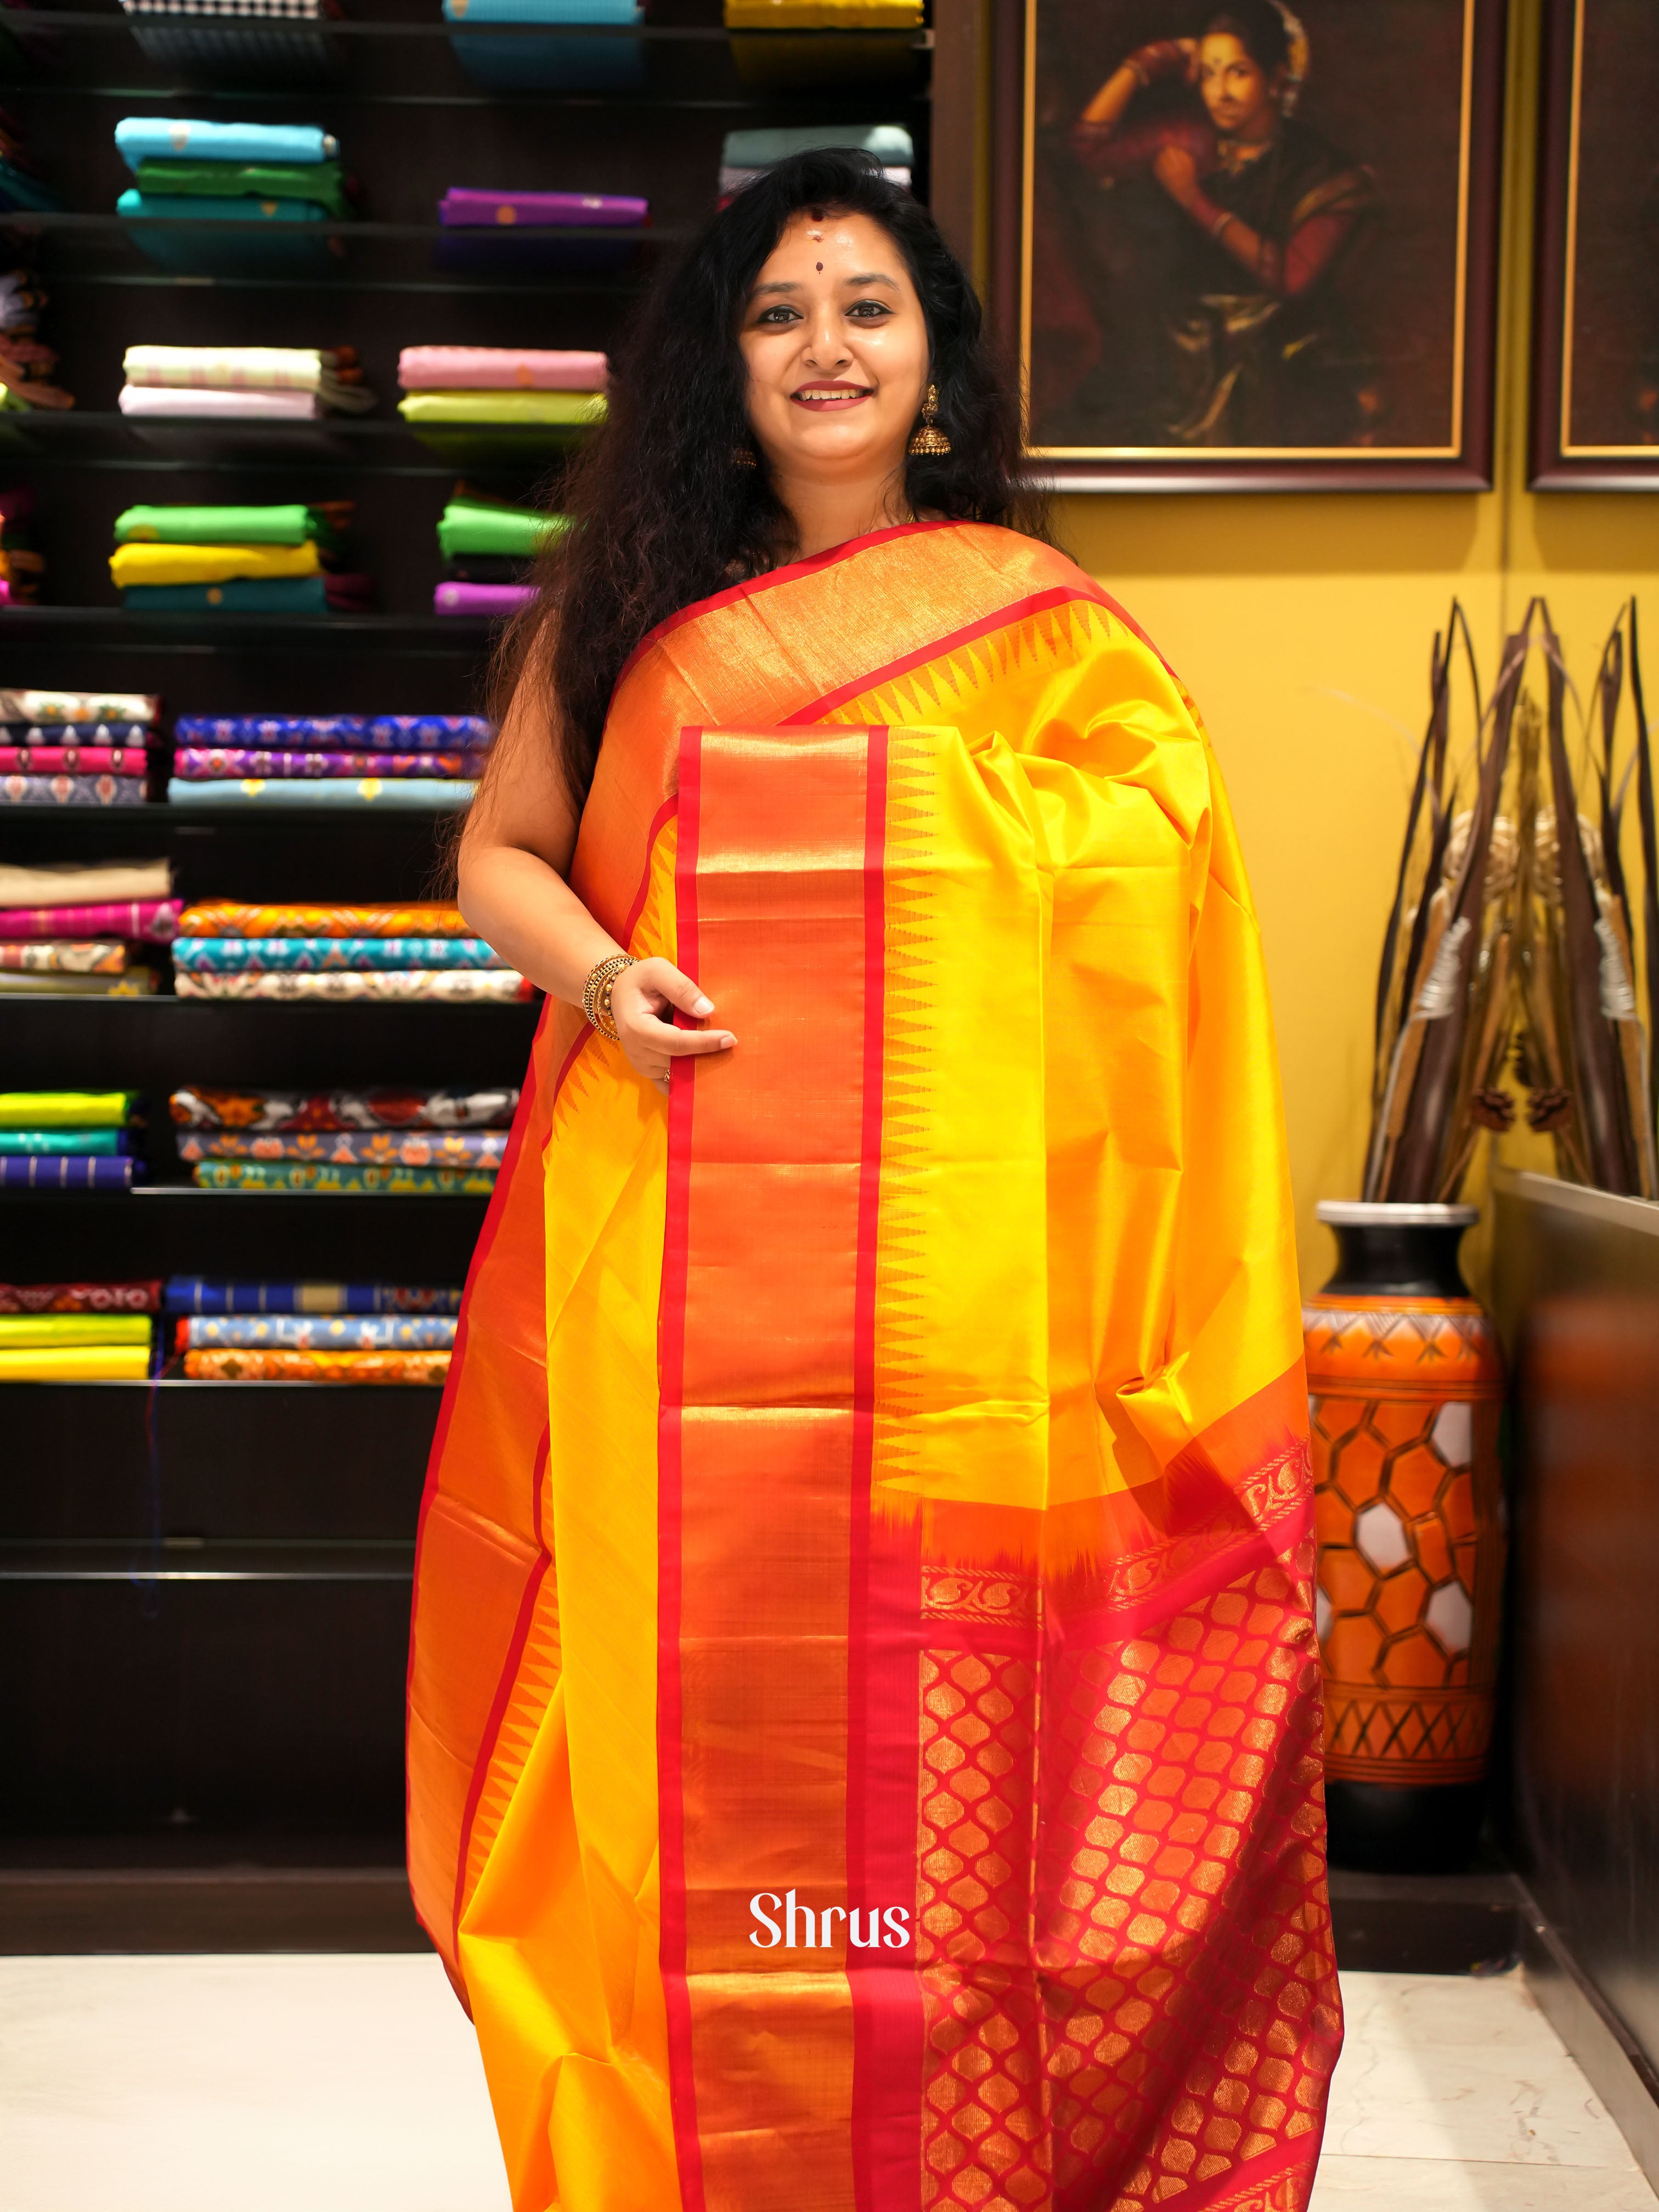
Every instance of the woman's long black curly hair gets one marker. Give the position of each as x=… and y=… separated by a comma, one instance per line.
x=662, y=517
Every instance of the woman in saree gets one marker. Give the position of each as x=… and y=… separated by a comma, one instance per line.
x=1222, y=325
x=864, y=1726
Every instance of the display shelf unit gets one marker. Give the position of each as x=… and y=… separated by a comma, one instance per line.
x=204, y=1587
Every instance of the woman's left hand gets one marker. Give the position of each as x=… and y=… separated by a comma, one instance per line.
x=1177, y=171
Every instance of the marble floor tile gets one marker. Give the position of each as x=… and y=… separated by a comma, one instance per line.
x=266, y=2084
x=1441, y=2066
x=1443, y=2184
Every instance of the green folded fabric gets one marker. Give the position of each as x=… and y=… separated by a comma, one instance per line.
x=478, y=526
x=556, y=410
x=65, y=1109
x=222, y=525
x=323, y=181
x=52, y=1141
x=73, y=1328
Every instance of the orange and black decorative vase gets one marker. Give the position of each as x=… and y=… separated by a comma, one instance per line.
x=1404, y=1386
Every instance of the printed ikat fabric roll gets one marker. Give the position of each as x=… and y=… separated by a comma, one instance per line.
x=89, y=956
x=317, y=1331
x=153, y=921
x=78, y=736
x=224, y=1365
x=226, y=918
x=72, y=760
x=71, y=790
x=287, y=1111
x=80, y=1298
x=423, y=1148
x=268, y=1176
x=237, y=956
x=203, y=1294
x=206, y=763
x=50, y=1142
x=492, y=986
x=393, y=733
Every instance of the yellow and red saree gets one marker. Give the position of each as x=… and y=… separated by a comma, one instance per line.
x=864, y=1711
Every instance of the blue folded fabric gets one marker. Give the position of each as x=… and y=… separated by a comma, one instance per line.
x=184, y=207
x=170, y=138
x=202, y=1294
x=426, y=792
x=390, y=733
x=238, y=595
x=77, y=1172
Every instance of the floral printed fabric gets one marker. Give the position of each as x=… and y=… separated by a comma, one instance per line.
x=236, y=955
x=286, y=1176
x=206, y=763
x=231, y=1366
x=318, y=1332
x=413, y=1148
x=91, y=955
x=72, y=790
x=378, y=733
x=497, y=984
x=286, y=1110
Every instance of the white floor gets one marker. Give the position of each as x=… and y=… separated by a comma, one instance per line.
x=353, y=2085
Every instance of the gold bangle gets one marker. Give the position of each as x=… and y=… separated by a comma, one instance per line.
x=1220, y=223
x=596, y=993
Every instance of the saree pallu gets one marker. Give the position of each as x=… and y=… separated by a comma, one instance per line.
x=864, y=1727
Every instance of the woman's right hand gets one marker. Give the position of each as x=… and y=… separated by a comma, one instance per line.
x=643, y=1000
x=1166, y=58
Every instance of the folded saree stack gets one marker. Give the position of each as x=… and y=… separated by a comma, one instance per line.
x=68, y=1141
x=527, y=61
x=217, y=198
x=239, y=41
x=474, y=403
x=488, y=545
x=237, y=560
x=76, y=1332
x=386, y=1143
x=226, y=951
x=327, y=760
x=265, y=1332
x=242, y=383
x=79, y=929
x=75, y=748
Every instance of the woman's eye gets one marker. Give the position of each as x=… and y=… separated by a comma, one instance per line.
x=780, y=314
x=870, y=311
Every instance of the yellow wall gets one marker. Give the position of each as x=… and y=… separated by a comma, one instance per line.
x=1302, y=625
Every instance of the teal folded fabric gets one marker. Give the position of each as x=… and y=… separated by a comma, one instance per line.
x=239, y=595
x=61, y=1140
x=237, y=956
x=188, y=208
x=181, y=139
x=419, y=791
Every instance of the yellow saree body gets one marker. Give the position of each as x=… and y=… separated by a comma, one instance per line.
x=864, y=1727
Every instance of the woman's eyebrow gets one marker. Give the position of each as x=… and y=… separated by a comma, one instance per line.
x=872, y=277
x=782, y=285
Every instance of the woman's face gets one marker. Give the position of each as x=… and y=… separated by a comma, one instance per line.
x=1236, y=89
x=835, y=345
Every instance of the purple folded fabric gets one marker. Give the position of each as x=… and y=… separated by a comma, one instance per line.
x=208, y=763
x=338, y=733
x=451, y=598
x=67, y=1171
x=461, y=208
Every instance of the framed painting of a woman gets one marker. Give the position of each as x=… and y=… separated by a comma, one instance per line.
x=1257, y=242
x=1595, y=354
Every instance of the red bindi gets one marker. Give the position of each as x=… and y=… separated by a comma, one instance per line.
x=819, y=266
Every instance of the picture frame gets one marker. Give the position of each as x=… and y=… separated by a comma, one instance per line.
x=1344, y=340
x=1596, y=305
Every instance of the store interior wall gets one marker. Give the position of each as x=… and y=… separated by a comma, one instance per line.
x=1302, y=625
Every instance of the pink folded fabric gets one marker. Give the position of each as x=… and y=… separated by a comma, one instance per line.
x=72, y=760
x=481, y=599
x=154, y=919
x=498, y=368
x=462, y=209
x=235, y=406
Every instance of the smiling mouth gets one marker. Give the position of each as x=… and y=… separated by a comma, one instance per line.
x=827, y=398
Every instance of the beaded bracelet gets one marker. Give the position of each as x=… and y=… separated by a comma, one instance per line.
x=596, y=993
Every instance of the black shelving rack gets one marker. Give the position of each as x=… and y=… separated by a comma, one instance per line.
x=204, y=1587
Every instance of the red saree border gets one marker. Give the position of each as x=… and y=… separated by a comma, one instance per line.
x=670, y=1339
x=752, y=586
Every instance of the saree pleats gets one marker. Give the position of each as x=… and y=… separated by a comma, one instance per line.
x=863, y=1708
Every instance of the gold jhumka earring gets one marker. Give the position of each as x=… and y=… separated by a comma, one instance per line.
x=743, y=457
x=927, y=440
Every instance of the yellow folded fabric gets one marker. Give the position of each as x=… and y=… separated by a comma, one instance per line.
x=823, y=15
x=563, y=407
x=76, y=1363
x=210, y=564
x=64, y=1109
x=17, y=1330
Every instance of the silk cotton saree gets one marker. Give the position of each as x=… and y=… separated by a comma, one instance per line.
x=863, y=1729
